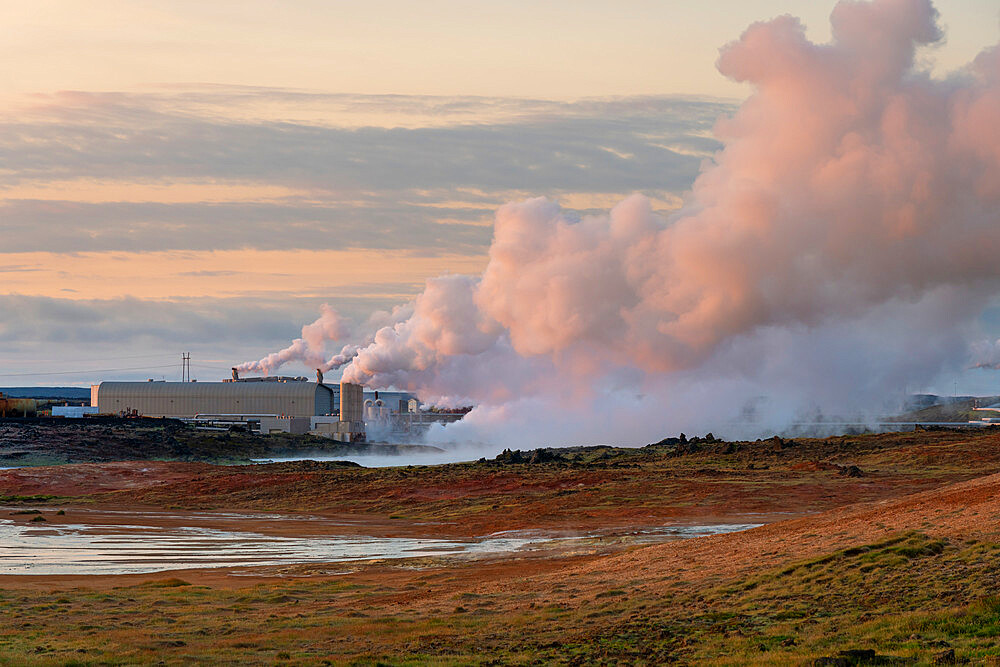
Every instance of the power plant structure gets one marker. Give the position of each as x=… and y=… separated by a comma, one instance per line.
x=268, y=405
x=275, y=404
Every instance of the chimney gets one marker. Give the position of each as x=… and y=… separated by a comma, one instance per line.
x=319, y=376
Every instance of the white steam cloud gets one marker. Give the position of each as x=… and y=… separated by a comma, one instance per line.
x=838, y=249
x=310, y=349
x=986, y=354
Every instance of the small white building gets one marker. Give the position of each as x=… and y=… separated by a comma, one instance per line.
x=73, y=411
x=991, y=420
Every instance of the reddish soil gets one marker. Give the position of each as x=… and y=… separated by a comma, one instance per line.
x=84, y=479
x=600, y=488
x=944, y=484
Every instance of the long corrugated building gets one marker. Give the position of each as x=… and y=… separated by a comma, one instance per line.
x=187, y=399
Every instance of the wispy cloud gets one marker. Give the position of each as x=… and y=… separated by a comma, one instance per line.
x=264, y=202
x=426, y=172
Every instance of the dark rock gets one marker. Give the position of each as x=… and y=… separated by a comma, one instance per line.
x=545, y=456
x=850, y=471
x=829, y=661
x=946, y=657
x=858, y=654
x=851, y=657
x=510, y=457
x=689, y=447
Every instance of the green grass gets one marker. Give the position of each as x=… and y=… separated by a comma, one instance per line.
x=29, y=499
x=909, y=596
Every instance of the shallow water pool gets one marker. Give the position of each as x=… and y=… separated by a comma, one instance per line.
x=78, y=549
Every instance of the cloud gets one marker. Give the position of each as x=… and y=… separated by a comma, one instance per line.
x=109, y=137
x=67, y=226
x=246, y=323
x=427, y=178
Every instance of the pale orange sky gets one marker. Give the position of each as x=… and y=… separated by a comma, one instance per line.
x=169, y=275
x=557, y=49
x=171, y=150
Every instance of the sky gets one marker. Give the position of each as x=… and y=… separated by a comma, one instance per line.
x=201, y=177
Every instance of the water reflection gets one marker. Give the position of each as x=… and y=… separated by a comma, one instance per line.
x=128, y=549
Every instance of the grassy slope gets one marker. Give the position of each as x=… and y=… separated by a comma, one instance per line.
x=909, y=596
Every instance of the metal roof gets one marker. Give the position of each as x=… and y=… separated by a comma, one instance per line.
x=185, y=399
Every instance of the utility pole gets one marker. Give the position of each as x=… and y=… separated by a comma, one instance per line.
x=185, y=367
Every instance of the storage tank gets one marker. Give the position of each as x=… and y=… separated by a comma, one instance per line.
x=351, y=402
x=17, y=407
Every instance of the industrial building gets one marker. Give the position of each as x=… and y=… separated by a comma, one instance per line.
x=188, y=399
x=17, y=407
x=73, y=411
x=344, y=411
x=268, y=404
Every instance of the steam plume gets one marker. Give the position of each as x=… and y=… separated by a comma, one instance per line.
x=837, y=249
x=310, y=349
x=986, y=354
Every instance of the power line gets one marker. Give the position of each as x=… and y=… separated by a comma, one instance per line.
x=210, y=367
x=89, y=370
x=137, y=356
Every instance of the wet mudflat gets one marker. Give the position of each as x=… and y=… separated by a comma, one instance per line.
x=107, y=543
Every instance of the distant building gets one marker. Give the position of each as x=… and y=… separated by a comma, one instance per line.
x=992, y=420
x=73, y=411
x=189, y=399
x=272, y=405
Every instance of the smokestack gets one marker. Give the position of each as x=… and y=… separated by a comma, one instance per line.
x=236, y=375
x=319, y=376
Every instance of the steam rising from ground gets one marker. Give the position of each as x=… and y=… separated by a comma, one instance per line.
x=838, y=249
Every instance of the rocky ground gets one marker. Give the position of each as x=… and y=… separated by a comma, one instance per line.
x=878, y=549
x=45, y=441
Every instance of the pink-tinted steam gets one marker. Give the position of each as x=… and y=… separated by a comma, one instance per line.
x=310, y=349
x=854, y=207
x=849, y=178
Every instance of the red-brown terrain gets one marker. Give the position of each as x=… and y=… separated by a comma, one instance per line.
x=885, y=545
